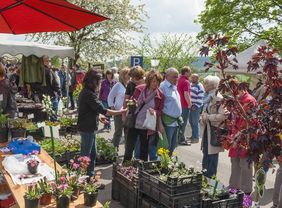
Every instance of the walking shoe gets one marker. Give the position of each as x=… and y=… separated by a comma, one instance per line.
x=185, y=143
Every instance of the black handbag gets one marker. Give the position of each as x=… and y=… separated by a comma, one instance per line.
x=131, y=118
x=216, y=133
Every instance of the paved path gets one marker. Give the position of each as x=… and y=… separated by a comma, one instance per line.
x=190, y=155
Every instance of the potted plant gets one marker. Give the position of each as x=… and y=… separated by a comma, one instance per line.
x=32, y=196
x=46, y=190
x=18, y=127
x=77, y=169
x=90, y=194
x=32, y=165
x=63, y=193
x=74, y=184
x=3, y=128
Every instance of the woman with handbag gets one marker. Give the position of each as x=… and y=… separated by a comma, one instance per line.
x=150, y=101
x=211, y=119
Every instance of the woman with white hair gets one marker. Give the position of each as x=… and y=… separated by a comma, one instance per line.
x=211, y=118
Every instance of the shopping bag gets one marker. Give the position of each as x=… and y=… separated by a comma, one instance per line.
x=150, y=121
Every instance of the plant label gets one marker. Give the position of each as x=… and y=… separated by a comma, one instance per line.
x=42, y=124
x=20, y=114
x=30, y=116
x=1, y=97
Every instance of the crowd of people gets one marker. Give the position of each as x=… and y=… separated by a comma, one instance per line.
x=172, y=100
x=175, y=100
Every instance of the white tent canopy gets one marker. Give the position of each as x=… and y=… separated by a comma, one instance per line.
x=30, y=48
x=244, y=57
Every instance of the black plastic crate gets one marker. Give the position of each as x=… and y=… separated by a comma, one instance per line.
x=37, y=134
x=174, y=186
x=126, y=195
x=235, y=202
x=120, y=177
x=146, y=202
x=124, y=190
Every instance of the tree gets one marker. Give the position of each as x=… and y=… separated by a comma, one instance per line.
x=171, y=50
x=98, y=41
x=245, y=21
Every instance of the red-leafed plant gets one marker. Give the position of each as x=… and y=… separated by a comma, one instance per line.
x=261, y=134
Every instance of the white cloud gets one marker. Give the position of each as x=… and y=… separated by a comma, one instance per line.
x=175, y=16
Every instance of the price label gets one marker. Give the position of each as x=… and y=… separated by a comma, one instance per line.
x=1, y=97
x=42, y=124
x=30, y=116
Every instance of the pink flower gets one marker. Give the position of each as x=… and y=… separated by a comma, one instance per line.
x=71, y=161
x=63, y=187
x=62, y=180
x=75, y=166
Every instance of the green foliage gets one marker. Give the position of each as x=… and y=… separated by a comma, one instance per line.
x=77, y=91
x=171, y=50
x=245, y=21
x=60, y=148
x=18, y=123
x=107, y=204
x=98, y=41
x=33, y=192
x=66, y=121
x=105, y=149
x=3, y=120
x=90, y=188
x=45, y=186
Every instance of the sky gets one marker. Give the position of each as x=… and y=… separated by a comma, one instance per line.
x=165, y=16
x=172, y=16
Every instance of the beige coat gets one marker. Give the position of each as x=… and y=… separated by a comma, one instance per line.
x=215, y=116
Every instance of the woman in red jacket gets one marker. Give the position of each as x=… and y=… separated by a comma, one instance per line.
x=241, y=168
x=149, y=98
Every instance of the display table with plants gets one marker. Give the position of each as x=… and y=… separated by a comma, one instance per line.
x=22, y=193
x=69, y=147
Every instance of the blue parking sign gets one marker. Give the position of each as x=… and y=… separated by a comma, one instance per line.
x=136, y=60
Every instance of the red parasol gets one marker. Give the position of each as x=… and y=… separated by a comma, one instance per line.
x=31, y=16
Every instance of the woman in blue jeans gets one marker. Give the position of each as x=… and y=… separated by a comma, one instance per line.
x=89, y=108
x=212, y=116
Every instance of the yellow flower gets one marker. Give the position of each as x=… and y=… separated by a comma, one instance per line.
x=160, y=151
x=174, y=153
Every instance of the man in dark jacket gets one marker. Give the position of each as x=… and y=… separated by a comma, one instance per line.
x=52, y=87
x=8, y=90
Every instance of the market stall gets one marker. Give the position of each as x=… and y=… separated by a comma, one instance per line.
x=32, y=51
x=19, y=190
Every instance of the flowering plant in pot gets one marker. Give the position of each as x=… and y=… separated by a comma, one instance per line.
x=90, y=193
x=77, y=168
x=17, y=127
x=46, y=188
x=3, y=127
x=32, y=196
x=63, y=193
x=32, y=165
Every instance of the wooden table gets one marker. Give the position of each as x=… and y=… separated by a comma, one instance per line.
x=18, y=191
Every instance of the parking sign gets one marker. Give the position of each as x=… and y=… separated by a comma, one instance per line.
x=136, y=60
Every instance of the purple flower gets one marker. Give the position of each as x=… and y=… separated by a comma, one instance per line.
x=247, y=201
